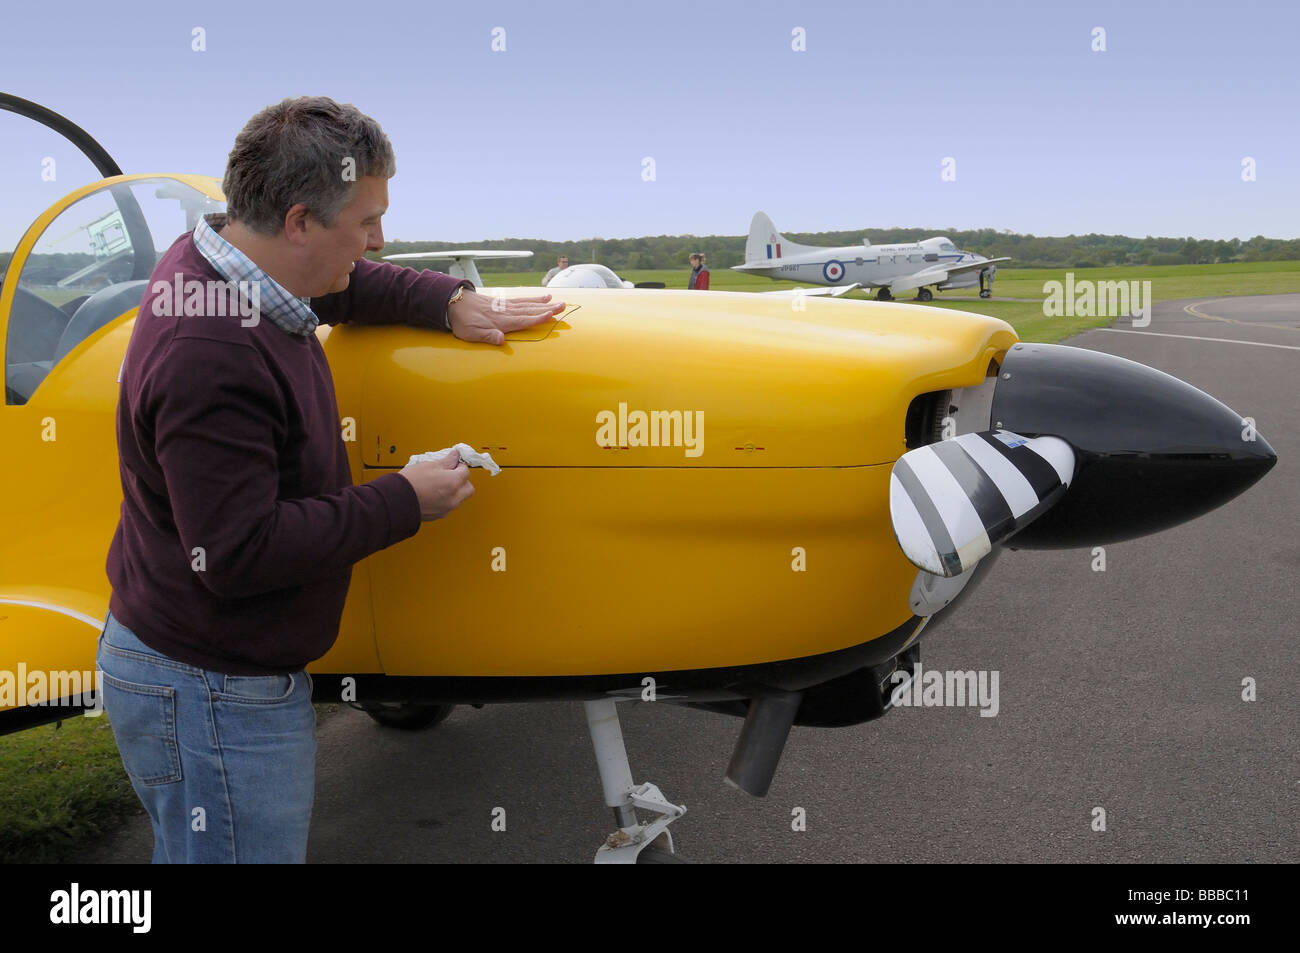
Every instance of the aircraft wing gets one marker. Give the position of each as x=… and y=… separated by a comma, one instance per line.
x=937, y=274
x=462, y=259
x=834, y=292
x=452, y=253
x=972, y=265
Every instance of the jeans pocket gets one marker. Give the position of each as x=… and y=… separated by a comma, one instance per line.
x=143, y=718
x=256, y=689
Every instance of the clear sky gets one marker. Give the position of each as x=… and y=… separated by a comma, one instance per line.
x=547, y=138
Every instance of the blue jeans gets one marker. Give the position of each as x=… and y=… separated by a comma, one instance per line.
x=224, y=764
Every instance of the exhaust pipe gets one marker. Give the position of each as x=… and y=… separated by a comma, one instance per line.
x=762, y=739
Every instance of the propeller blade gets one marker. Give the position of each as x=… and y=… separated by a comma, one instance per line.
x=951, y=502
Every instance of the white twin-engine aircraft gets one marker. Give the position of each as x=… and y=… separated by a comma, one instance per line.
x=890, y=269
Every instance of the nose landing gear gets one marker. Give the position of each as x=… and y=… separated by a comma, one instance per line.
x=633, y=842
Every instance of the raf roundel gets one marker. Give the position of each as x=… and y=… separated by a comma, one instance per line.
x=833, y=270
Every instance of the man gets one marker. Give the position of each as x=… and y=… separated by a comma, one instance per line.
x=699, y=280
x=560, y=264
x=239, y=523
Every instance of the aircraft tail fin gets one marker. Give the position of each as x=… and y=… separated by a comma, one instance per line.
x=766, y=243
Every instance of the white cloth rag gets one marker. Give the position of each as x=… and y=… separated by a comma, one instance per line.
x=468, y=455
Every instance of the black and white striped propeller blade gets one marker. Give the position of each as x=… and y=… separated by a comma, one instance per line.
x=951, y=502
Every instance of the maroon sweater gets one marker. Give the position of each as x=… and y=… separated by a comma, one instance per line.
x=229, y=439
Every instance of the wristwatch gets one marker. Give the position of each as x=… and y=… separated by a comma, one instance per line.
x=455, y=296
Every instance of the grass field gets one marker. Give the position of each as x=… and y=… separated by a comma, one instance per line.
x=62, y=786
x=1168, y=283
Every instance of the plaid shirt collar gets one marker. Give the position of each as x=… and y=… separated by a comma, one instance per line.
x=286, y=311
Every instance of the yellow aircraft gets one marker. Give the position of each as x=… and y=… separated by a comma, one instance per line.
x=737, y=502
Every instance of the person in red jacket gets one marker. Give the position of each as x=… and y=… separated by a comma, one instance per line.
x=240, y=522
x=699, y=273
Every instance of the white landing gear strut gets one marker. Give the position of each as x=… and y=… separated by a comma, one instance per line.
x=632, y=837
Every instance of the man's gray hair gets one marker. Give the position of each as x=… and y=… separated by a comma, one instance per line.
x=310, y=150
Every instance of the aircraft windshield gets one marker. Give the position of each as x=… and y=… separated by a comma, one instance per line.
x=88, y=267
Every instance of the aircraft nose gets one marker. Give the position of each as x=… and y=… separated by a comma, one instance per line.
x=1153, y=451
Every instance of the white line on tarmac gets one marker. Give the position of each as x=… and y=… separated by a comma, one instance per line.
x=1193, y=337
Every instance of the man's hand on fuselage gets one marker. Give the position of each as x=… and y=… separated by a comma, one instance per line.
x=488, y=319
